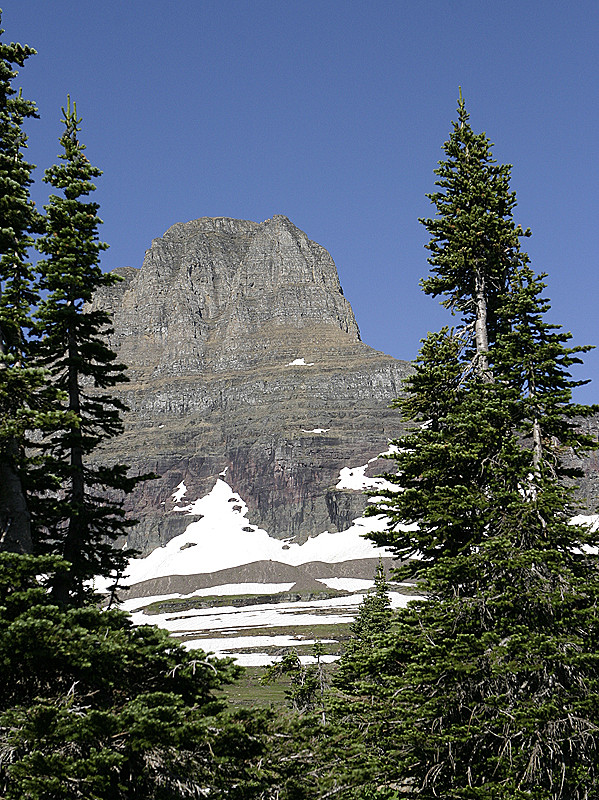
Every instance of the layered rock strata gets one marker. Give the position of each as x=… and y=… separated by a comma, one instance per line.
x=245, y=360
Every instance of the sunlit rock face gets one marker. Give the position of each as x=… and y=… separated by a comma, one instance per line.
x=245, y=360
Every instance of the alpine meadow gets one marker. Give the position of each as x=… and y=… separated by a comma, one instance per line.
x=483, y=686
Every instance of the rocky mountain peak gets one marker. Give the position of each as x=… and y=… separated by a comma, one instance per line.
x=245, y=358
x=220, y=294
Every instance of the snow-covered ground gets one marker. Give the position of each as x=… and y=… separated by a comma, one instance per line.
x=197, y=627
x=224, y=537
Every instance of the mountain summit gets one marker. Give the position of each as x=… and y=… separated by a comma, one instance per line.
x=245, y=359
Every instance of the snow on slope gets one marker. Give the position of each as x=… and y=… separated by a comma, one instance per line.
x=224, y=538
x=355, y=478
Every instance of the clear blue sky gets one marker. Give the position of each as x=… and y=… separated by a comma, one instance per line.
x=332, y=112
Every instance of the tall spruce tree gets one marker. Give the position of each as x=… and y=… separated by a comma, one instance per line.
x=81, y=520
x=19, y=382
x=494, y=686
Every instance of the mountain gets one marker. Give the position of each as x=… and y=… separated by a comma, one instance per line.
x=253, y=398
x=245, y=361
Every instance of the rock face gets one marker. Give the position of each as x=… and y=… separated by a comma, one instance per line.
x=245, y=359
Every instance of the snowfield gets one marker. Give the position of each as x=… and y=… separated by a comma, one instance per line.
x=225, y=538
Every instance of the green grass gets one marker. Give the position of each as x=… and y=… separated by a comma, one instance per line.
x=175, y=605
x=249, y=692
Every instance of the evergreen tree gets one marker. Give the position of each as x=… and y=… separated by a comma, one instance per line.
x=94, y=707
x=82, y=519
x=307, y=682
x=357, y=665
x=20, y=384
x=493, y=683
x=359, y=759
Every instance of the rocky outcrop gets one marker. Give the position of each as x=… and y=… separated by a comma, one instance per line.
x=245, y=358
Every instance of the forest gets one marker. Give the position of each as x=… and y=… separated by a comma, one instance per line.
x=487, y=688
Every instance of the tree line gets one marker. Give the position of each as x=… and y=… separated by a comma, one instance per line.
x=485, y=688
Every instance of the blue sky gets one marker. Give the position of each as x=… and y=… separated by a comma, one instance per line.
x=332, y=112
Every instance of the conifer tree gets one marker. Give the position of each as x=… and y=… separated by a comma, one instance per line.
x=373, y=619
x=358, y=761
x=19, y=382
x=92, y=706
x=82, y=519
x=494, y=685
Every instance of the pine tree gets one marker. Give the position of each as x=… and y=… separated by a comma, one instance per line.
x=359, y=759
x=92, y=706
x=494, y=687
x=19, y=382
x=357, y=665
x=82, y=519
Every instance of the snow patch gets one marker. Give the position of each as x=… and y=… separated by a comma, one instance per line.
x=221, y=542
x=179, y=493
x=316, y=430
x=347, y=584
x=591, y=521
x=224, y=590
x=228, y=643
x=355, y=478
x=330, y=611
x=300, y=362
x=263, y=659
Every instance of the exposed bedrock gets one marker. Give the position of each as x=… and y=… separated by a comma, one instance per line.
x=245, y=356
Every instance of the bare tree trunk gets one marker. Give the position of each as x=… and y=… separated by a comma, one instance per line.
x=67, y=585
x=537, y=452
x=480, y=328
x=537, y=442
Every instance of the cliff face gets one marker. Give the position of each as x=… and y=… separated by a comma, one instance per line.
x=245, y=359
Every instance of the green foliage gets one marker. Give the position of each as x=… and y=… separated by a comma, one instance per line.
x=19, y=218
x=80, y=515
x=358, y=668
x=23, y=391
x=490, y=686
x=360, y=751
x=91, y=706
x=473, y=232
x=307, y=681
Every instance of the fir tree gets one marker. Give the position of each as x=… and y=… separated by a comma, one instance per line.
x=307, y=682
x=20, y=384
x=360, y=756
x=357, y=664
x=494, y=685
x=93, y=707
x=82, y=519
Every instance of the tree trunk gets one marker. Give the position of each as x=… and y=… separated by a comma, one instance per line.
x=15, y=520
x=480, y=328
x=67, y=585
